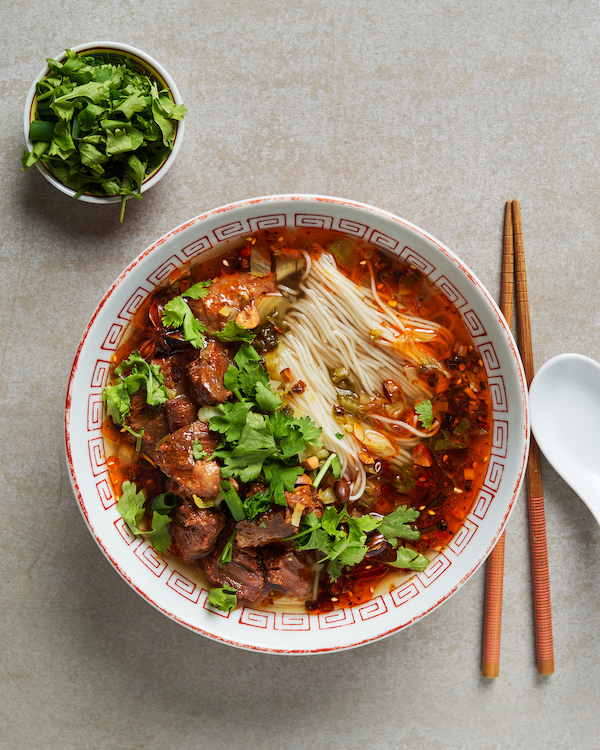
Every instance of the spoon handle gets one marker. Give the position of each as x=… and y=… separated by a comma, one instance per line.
x=535, y=489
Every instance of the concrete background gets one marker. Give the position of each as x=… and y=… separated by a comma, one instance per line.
x=436, y=110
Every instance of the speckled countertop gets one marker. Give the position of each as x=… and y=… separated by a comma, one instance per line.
x=438, y=111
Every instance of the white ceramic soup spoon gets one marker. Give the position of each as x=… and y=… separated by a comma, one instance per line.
x=565, y=419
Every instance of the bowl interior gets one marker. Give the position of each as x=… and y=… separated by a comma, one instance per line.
x=115, y=54
x=170, y=586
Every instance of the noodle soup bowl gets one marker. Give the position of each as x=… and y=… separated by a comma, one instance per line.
x=181, y=592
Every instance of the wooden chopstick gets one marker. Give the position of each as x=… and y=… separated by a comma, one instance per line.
x=492, y=624
x=535, y=489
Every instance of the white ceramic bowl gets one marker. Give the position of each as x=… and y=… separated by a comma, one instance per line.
x=169, y=586
x=112, y=52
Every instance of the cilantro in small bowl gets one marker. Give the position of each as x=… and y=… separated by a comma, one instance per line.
x=103, y=122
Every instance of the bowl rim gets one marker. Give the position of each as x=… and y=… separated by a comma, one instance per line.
x=147, y=60
x=522, y=441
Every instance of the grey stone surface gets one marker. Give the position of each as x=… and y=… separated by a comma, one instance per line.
x=438, y=111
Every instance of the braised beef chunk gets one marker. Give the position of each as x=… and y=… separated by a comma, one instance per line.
x=244, y=573
x=308, y=496
x=379, y=548
x=194, y=530
x=172, y=368
x=144, y=417
x=206, y=373
x=176, y=459
x=230, y=294
x=180, y=412
x=271, y=527
x=289, y=572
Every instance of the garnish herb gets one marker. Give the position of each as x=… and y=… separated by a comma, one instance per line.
x=131, y=506
x=224, y=598
x=141, y=375
x=424, y=411
x=234, y=332
x=102, y=128
x=257, y=437
x=342, y=538
x=177, y=313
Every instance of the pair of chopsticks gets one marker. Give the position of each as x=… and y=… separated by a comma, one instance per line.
x=514, y=275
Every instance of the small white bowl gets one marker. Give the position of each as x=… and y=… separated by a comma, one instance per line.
x=168, y=584
x=117, y=53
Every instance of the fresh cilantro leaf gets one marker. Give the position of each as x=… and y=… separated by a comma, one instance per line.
x=224, y=598
x=231, y=379
x=131, y=506
x=160, y=537
x=245, y=355
x=310, y=432
x=336, y=467
x=118, y=403
x=141, y=375
x=409, y=560
x=424, y=411
x=317, y=537
x=198, y=451
x=164, y=503
x=232, y=419
x=178, y=313
x=198, y=290
x=234, y=332
x=339, y=435
x=256, y=504
x=266, y=399
x=395, y=526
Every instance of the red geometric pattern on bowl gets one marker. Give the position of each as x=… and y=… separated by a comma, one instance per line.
x=403, y=594
x=151, y=559
x=338, y=618
x=186, y=590
x=184, y=587
x=292, y=621
x=372, y=608
x=451, y=292
x=463, y=536
x=473, y=323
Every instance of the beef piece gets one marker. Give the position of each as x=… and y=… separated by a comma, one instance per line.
x=308, y=496
x=234, y=291
x=180, y=412
x=379, y=548
x=172, y=368
x=194, y=530
x=176, y=459
x=269, y=528
x=287, y=571
x=244, y=573
x=154, y=424
x=206, y=373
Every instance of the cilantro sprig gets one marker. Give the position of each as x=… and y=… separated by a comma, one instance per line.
x=140, y=375
x=258, y=438
x=342, y=539
x=101, y=128
x=224, y=598
x=178, y=314
x=424, y=411
x=131, y=506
